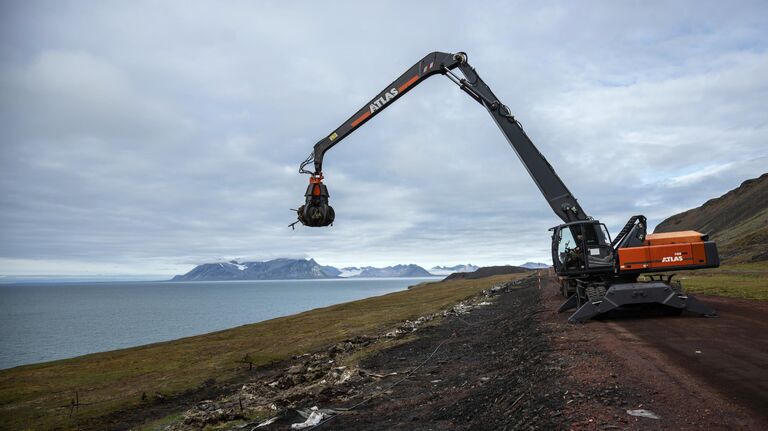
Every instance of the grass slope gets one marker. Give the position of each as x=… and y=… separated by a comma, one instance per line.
x=746, y=280
x=36, y=396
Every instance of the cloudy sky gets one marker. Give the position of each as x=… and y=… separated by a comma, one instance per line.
x=147, y=137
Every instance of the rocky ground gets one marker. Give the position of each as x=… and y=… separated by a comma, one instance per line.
x=507, y=360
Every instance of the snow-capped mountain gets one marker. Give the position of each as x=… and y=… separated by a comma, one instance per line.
x=534, y=265
x=409, y=270
x=350, y=271
x=277, y=269
x=292, y=269
x=446, y=270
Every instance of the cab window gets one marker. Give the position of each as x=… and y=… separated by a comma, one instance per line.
x=566, y=243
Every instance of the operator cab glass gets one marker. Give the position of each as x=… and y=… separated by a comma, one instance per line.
x=566, y=243
x=581, y=247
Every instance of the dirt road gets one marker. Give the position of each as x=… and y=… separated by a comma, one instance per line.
x=729, y=353
x=696, y=373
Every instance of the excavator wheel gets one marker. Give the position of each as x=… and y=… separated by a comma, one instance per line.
x=595, y=293
x=677, y=286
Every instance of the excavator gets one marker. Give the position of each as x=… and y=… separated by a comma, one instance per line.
x=597, y=274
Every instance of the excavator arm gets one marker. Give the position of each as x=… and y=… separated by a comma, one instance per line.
x=317, y=212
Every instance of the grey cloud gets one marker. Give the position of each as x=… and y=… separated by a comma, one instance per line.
x=146, y=137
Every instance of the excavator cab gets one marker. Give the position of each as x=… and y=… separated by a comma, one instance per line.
x=581, y=247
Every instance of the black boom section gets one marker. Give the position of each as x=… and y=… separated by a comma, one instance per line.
x=431, y=64
x=558, y=196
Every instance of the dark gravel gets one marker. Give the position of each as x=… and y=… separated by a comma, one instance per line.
x=494, y=370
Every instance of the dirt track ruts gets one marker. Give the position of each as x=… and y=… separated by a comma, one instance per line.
x=728, y=353
x=696, y=373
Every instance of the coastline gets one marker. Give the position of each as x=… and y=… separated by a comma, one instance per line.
x=32, y=395
x=45, y=322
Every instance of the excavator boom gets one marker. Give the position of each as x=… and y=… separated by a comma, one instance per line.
x=558, y=196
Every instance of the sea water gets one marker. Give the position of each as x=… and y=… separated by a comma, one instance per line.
x=48, y=321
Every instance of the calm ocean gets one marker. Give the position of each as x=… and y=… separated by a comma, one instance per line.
x=44, y=322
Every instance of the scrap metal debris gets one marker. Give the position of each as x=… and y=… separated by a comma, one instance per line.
x=643, y=413
x=313, y=417
x=267, y=422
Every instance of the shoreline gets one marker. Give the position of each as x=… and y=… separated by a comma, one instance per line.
x=144, y=313
x=50, y=281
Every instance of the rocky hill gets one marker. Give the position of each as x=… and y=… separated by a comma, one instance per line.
x=486, y=271
x=737, y=221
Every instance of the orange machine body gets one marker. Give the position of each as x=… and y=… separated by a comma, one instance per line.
x=667, y=251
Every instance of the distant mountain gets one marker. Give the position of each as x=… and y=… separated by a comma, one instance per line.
x=487, y=271
x=394, y=271
x=446, y=270
x=292, y=269
x=409, y=270
x=331, y=270
x=350, y=271
x=535, y=265
x=277, y=269
x=737, y=221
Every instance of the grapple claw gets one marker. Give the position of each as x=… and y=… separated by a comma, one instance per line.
x=316, y=211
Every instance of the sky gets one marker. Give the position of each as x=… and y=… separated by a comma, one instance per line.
x=147, y=137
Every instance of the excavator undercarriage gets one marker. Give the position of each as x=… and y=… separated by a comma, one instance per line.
x=598, y=275
x=593, y=299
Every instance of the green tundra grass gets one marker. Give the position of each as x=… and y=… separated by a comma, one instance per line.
x=743, y=280
x=37, y=396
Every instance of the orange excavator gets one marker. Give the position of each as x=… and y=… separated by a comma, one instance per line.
x=597, y=274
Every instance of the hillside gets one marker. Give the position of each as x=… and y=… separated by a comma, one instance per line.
x=486, y=271
x=737, y=221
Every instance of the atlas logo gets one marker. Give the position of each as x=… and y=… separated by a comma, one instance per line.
x=672, y=259
x=381, y=101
